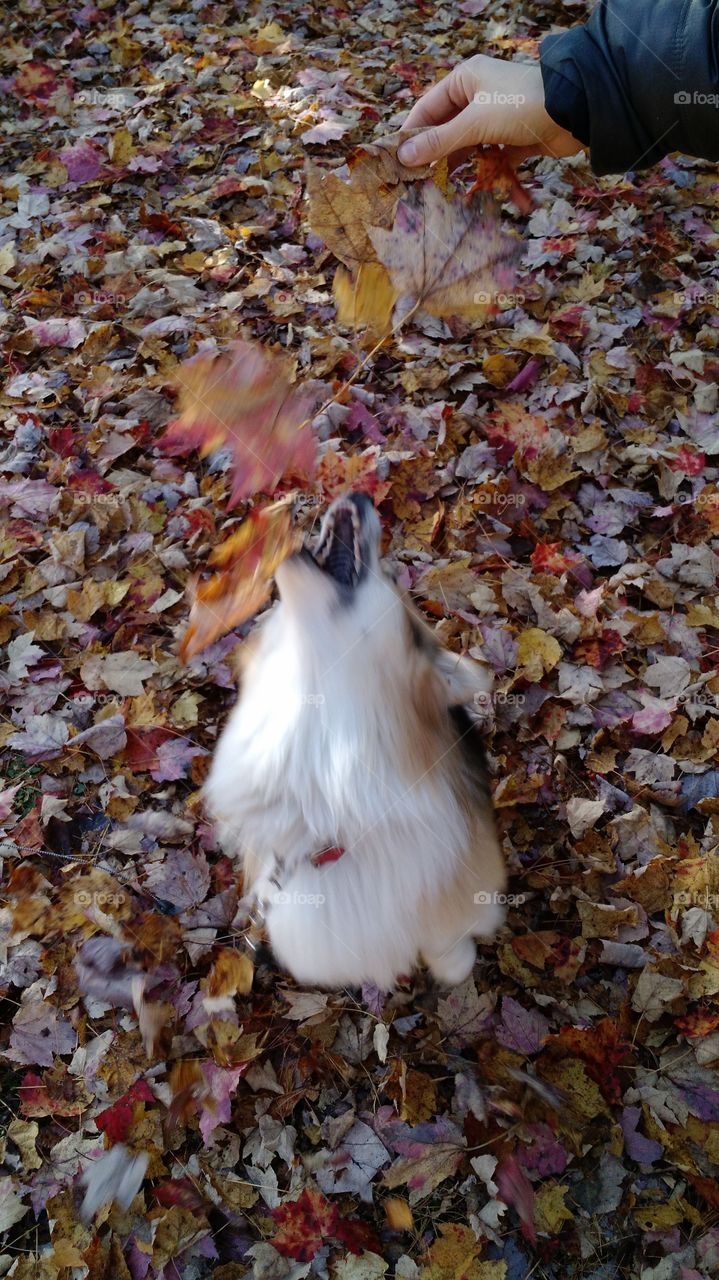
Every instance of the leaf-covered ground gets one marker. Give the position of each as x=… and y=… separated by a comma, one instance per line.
x=548, y=481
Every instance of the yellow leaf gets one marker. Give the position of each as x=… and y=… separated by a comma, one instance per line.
x=658, y=1217
x=232, y=972
x=701, y=615
x=249, y=559
x=365, y=300
x=537, y=653
x=184, y=709
x=399, y=1214
x=23, y=1133
x=582, y=1096
x=550, y=1211
x=122, y=148
x=66, y=1254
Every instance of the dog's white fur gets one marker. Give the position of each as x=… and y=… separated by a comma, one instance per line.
x=341, y=735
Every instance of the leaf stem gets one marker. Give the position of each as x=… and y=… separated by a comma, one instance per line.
x=362, y=365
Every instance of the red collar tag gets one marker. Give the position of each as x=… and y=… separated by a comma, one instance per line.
x=333, y=854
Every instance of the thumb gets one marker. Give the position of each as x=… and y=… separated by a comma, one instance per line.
x=441, y=140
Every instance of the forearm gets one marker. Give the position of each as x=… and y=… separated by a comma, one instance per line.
x=639, y=80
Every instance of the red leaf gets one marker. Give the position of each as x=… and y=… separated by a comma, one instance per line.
x=179, y=1191
x=115, y=1121
x=495, y=173
x=689, y=462
x=305, y=1223
x=516, y=1190
x=243, y=400
x=37, y=81
x=547, y=558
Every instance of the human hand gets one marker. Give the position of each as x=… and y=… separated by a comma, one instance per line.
x=485, y=101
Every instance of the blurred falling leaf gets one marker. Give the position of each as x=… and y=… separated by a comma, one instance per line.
x=248, y=560
x=243, y=400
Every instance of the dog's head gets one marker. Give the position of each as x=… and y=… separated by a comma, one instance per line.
x=342, y=572
x=338, y=594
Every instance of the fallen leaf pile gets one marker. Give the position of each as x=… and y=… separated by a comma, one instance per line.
x=547, y=476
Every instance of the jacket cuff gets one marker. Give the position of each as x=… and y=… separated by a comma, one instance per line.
x=584, y=93
x=564, y=96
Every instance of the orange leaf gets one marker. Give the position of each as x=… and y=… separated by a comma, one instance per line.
x=249, y=559
x=495, y=173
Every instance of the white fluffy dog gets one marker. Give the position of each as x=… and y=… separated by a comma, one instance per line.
x=350, y=779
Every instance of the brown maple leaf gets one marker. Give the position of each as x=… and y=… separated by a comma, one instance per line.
x=450, y=257
x=341, y=211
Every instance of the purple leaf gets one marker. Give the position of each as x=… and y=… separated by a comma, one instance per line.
x=643, y=1150
x=523, y=1030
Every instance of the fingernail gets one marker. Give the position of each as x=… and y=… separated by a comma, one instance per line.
x=407, y=153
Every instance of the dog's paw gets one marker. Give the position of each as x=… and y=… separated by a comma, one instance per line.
x=454, y=965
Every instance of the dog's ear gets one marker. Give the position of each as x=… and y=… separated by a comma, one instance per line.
x=468, y=683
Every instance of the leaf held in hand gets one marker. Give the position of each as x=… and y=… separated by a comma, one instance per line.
x=340, y=212
x=365, y=300
x=248, y=560
x=243, y=400
x=449, y=257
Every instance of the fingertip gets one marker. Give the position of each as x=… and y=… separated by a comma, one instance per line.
x=408, y=153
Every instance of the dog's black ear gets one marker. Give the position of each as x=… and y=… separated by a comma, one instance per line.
x=468, y=683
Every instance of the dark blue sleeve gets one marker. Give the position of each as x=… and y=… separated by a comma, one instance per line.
x=638, y=80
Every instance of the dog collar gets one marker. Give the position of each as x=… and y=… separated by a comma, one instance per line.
x=257, y=909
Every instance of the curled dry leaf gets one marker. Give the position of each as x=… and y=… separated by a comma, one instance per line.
x=378, y=160
x=243, y=400
x=247, y=560
x=340, y=212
